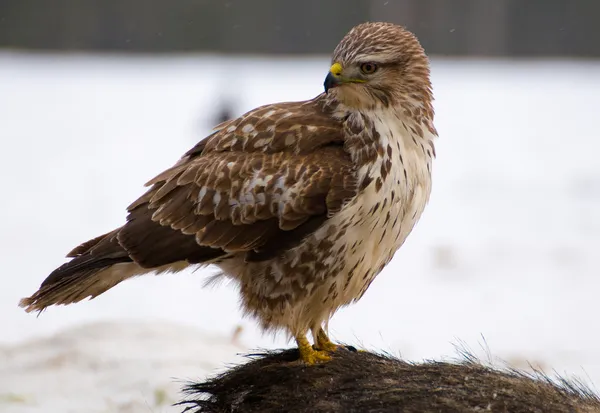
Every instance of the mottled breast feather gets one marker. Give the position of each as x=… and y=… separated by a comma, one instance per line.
x=258, y=184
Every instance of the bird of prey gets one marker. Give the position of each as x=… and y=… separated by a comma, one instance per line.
x=302, y=204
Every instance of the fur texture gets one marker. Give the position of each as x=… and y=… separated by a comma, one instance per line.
x=365, y=382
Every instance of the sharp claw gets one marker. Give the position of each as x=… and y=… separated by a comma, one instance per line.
x=324, y=343
x=308, y=354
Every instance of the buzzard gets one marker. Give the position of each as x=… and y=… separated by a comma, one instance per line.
x=302, y=204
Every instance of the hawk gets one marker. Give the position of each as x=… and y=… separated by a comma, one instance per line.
x=302, y=204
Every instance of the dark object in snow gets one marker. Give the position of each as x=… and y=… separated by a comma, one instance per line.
x=366, y=382
x=225, y=112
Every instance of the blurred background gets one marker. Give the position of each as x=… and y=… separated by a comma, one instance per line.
x=457, y=27
x=97, y=97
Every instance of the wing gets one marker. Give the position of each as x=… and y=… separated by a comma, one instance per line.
x=258, y=185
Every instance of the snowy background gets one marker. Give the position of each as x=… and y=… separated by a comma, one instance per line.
x=504, y=256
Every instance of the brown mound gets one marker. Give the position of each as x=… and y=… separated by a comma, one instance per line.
x=366, y=382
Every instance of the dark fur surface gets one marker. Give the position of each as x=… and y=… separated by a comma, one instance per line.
x=366, y=382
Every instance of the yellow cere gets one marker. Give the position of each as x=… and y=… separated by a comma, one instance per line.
x=336, y=69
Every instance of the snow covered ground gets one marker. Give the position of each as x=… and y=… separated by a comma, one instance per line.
x=108, y=368
x=506, y=251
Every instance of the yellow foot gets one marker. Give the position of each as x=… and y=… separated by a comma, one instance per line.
x=323, y=342
x=308, y=354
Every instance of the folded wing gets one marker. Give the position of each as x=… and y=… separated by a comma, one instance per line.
x=257, y=186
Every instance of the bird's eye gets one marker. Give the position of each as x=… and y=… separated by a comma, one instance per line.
x=368, y=68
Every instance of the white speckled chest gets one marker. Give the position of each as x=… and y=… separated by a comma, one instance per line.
x=385, y=212
x=335, y=265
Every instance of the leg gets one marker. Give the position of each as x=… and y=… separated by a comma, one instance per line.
x=308, y=354
x=323, y=342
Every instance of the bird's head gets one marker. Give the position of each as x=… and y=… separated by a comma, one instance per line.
x=379, y=65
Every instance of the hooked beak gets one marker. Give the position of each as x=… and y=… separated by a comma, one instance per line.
x=334, y=77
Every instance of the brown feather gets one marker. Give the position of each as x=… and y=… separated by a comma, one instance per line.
x=252, y=182
x=153, y=245
x=259, y=184
x=76, y=279
x=88, y=245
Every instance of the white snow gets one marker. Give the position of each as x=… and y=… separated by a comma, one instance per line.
x=108, y=367
x=506, y=251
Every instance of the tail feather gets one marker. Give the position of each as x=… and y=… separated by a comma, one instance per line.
x=89, y=245
x=82, y=276
x=140, y=247
x=98, y=265
x=67, y=290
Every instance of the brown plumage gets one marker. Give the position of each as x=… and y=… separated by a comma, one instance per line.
x=301, y=203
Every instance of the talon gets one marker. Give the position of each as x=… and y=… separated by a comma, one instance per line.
x=308, y=354
x=315, y=357
x=323, y=342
